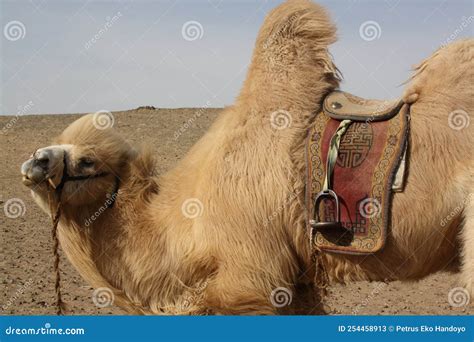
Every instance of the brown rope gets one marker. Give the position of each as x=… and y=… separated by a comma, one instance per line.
x=60, y=307
x=321, y=277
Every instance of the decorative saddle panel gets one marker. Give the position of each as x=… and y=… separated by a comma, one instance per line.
x=370, y=149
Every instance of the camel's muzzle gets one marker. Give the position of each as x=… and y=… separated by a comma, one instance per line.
x=45, y=164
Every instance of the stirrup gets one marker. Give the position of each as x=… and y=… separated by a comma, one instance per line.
x=333, y=227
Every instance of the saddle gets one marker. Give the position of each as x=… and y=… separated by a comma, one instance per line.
x=356, y=152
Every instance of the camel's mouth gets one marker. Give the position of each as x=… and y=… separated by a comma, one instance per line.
x=32, y=182
x=27, y=182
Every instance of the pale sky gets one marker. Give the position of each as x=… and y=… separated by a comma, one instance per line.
x=143, y=55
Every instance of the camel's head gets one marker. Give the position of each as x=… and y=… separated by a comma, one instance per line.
x=86, y=162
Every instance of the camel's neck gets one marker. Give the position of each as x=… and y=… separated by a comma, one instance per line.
x=95, y=240
x=102, y=240
x=133, y=247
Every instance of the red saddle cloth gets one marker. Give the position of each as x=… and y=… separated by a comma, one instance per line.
x=369, y=156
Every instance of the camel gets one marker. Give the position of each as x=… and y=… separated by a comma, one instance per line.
x=225, y=228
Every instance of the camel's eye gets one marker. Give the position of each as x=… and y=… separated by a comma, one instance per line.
x=86, y=162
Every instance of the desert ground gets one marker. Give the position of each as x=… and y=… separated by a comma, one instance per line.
x=26, y=262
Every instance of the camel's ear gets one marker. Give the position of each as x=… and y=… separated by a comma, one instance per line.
x=144, y=163
x=130, y=155
x=127, y=154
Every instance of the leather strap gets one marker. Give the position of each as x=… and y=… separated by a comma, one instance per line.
x=67, y=178
x=334, y=151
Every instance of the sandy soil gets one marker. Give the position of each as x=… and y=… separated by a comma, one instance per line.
x=25, y=242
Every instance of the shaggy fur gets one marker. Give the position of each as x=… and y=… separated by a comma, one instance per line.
x=250, y=237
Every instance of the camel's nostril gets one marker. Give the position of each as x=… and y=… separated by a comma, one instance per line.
x=42, y=159
x=42, y=162
x=25, y=167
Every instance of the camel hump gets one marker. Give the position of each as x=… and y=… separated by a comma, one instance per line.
x=297, y=19
x=448, y=73
x=291, y=62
